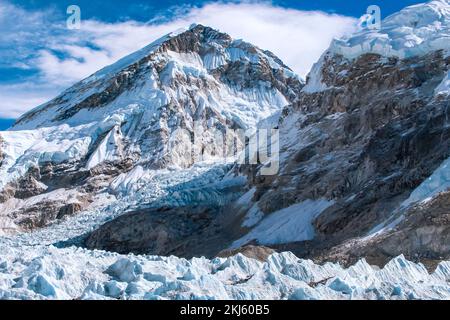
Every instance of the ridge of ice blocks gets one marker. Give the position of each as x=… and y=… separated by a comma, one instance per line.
x=74, y=273
x=415, y=30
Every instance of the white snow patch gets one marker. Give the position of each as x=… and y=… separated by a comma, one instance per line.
x=254, y=215
x=287, y=225
x=444, y=86
x=439, y=181
x=314, y=82
x=108, y=150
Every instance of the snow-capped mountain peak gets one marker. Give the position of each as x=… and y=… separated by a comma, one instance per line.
x=152, y=76
x=124, y=116
x=413, y=31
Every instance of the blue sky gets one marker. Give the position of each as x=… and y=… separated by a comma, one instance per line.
x=39, y=56
x=139, y=10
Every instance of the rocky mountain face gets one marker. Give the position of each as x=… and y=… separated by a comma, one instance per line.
x=369, y=133
x=366, y=142
x=364, y=149
x=62, y=157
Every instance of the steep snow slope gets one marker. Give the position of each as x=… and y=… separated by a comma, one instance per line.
x=287, y=225
x=444, y=87
x=439, y=181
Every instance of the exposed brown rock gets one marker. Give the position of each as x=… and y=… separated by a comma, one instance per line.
x=423, y=236
x=186, y=231
x=260, y=253
x=43, y=213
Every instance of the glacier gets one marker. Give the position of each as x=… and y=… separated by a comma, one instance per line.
x=46, y=272
x=36, y=266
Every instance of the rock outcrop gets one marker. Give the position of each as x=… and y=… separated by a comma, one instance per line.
x=186, y=231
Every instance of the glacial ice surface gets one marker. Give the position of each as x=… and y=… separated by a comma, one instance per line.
x=45, y=272
x=32, y=268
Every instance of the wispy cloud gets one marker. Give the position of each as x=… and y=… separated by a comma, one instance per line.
x=15, y=99
x=60, y=57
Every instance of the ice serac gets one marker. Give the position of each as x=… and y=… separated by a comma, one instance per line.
x=123, y=117
x=370, y=134
x=415, y=30
x=44, y=273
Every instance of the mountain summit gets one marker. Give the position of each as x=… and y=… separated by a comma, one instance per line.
x=167, y=72
x=121, y=119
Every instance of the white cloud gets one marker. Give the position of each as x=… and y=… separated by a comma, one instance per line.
x=297, y=37
x=64, y=57
x=81, y=63
x=17, y=98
